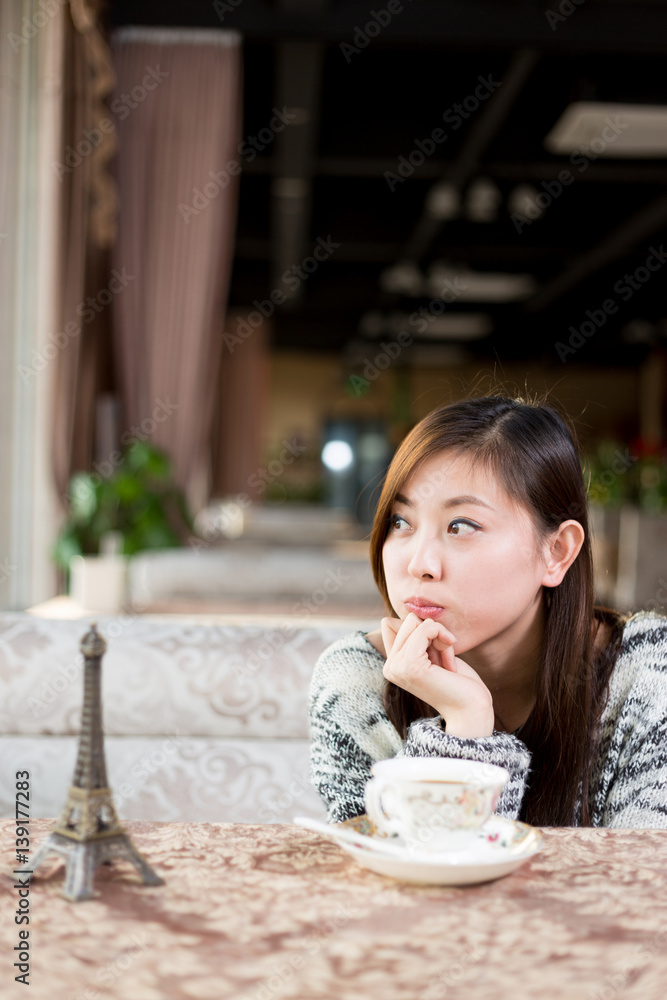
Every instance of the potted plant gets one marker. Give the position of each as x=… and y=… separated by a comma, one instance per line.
x=138, y=504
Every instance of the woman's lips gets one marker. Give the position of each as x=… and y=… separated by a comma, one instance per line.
x=422, y=609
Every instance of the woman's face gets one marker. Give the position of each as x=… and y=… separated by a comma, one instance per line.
x=460, y=551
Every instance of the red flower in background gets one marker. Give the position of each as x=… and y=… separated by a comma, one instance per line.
x=646, y=448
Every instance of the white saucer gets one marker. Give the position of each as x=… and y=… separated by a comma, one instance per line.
x=501, y=846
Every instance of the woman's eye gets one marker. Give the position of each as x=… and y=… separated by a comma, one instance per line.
x=460, y=527
x=398, y=523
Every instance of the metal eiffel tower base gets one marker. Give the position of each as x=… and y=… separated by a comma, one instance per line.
x=82, y=858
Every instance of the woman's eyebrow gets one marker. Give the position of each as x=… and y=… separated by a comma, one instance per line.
x=466, y=498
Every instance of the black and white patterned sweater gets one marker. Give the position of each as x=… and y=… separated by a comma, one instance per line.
x=350, y=730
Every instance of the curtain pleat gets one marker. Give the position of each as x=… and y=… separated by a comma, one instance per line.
x=87, y=228
x=174, y=246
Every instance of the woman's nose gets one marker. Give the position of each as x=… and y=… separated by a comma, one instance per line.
x=425, y=562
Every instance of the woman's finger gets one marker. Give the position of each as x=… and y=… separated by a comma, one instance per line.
x=402, y=630
x=446, y=654
x=389, y=628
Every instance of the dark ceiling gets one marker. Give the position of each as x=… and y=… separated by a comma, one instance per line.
x=365, y=97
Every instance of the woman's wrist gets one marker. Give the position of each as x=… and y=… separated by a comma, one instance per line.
x=468, y=725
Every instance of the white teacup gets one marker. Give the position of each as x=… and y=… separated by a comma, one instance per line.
x=433, y=803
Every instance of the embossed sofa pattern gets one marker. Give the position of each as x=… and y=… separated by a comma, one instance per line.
x=205, y=718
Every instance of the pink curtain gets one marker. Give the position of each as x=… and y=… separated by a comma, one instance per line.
x=88, y=208
x=240, y=412
x=178, y=106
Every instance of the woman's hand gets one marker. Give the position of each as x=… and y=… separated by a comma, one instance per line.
x=420, y=659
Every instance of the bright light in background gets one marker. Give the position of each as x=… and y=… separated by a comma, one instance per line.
x=337, y=455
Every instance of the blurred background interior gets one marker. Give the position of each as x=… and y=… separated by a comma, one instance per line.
x=246, y=245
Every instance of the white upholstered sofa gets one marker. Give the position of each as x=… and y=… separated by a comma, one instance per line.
x=205, y=717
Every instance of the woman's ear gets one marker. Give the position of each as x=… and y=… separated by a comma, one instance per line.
x=561, y=549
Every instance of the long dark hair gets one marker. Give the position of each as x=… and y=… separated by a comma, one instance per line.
x=534, y=454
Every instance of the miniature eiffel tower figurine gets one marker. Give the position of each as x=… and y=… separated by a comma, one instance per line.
x=89, y=832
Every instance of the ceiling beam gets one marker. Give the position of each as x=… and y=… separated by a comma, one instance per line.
x=614, y=246
x=357, y=251
x=298, y=87
x=606, y=171
x=602, y=26
x=483, y=128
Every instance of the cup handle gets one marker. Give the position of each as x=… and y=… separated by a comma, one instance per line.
x=374, y=808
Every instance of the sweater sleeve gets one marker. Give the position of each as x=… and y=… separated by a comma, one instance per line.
x=635, y=771
x=428, y=738
x=350, y=731
x=348, y=725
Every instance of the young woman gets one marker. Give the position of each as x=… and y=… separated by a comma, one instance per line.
x=494, y=650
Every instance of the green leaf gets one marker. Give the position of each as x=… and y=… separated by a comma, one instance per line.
x=66, y=546
x=127, y=488
x=139, y=500
x=83, y=496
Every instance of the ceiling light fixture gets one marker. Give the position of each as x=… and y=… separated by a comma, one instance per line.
x=458, y=326
x=612, y=130
x=482, y=201
x=443, y=201
x=402, y=279
x=523, y=201
x=448, y=326
x=465, y=285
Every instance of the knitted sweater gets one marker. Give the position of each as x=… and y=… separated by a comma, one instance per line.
x=350, y=730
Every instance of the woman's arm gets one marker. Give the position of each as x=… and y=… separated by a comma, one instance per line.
x=350, y=731
x=632, y=783
x=349, y=727
x=421, y=660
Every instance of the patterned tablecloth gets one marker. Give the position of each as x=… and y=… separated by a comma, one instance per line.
x=275, y=911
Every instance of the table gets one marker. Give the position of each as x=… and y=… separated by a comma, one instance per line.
x=276, y=912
